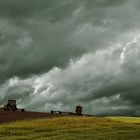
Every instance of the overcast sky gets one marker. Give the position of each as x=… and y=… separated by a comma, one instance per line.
x=56, y=54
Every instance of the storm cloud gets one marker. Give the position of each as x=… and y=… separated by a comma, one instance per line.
x=57, y=54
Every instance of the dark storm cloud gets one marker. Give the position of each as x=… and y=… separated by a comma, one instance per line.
x=30, y=44
x=52, y=10
x=57, y=54
x=41, y=34
x=19, y=8
x=26, y=8
x=104, y=3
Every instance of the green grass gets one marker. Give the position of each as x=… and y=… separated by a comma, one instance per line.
x=73, y=128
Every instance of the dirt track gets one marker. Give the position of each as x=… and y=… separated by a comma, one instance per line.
x=6, y=116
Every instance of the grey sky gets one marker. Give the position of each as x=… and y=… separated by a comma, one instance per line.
x=57, y=54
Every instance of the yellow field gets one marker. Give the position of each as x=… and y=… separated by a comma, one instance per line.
x=73, y=128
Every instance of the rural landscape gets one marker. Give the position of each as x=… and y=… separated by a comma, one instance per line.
x=17, y=124
x=69, y=69
x=72, y=128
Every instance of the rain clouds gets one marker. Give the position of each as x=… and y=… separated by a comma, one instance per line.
x=57, y=54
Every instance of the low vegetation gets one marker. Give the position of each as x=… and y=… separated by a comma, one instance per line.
x=72, y=128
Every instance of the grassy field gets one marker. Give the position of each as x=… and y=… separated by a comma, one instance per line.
x=73, y=128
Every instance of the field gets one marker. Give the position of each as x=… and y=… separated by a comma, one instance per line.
x=6, y=116
x=72, y=128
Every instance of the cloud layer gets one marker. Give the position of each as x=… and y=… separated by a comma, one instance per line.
x=57, y=54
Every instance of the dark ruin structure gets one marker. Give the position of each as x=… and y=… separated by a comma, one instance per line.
x=78, y=110
x=11, y=106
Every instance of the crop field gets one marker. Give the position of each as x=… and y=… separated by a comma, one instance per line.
x=72, y=128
